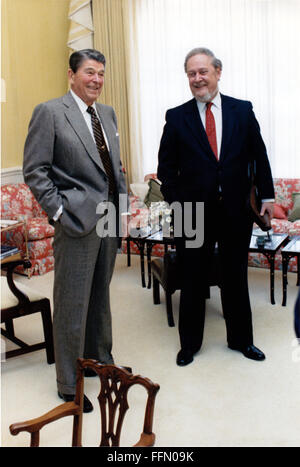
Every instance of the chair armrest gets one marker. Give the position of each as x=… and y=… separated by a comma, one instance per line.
x=146, y=440
x=36, y=424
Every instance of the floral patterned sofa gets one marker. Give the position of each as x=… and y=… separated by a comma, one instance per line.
x=18, y=203
x=284, y=188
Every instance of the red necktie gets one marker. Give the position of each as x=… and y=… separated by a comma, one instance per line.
x=211, y=129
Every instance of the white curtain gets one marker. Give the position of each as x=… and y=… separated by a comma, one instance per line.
x=258, y=43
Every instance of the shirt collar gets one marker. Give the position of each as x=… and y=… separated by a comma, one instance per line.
x=216, y=101
x=81, y=104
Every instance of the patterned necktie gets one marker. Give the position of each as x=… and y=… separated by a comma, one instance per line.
x=210, y=128
x=102, y=149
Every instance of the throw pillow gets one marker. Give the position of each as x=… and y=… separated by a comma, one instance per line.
x=295, y=214
x=154, y=194
x=279, y=212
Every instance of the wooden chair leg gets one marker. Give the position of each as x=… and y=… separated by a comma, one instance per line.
x=9, y=326
x=169, y=310
x=48, y=332
x=156, y=297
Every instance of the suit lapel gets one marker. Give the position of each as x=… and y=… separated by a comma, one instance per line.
x=228, y=124
x=194, y=121
x=79, y=125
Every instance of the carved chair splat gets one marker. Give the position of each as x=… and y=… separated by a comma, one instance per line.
x=115, y=383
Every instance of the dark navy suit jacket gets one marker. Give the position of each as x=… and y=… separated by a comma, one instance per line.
x=188, y=168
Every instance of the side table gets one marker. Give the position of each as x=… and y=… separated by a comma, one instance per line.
x=140, y=243
x=289, y=251
x=149, y=241
x=156, y=239
x=269, y=251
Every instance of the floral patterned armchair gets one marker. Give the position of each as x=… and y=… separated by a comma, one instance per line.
x=18, y=203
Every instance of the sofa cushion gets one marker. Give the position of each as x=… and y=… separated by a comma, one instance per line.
x=279, y=212
x=8, y=299
x=281, y=225
x=295, y=213
x=154, y=194
x=294, y=228
x=284, y=187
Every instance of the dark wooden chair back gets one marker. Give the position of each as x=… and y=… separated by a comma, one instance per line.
x=21, y=306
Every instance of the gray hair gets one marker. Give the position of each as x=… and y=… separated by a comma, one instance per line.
x=202, y=50
x=78, y=57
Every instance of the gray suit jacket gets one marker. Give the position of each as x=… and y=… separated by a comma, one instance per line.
x=62, y=165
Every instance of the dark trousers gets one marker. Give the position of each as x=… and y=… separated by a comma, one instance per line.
x=233, y=238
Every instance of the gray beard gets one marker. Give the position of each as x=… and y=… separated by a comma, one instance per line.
x=208, y=96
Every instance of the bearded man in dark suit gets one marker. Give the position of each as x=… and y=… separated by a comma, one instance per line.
x=204, y=155
x=72, y=165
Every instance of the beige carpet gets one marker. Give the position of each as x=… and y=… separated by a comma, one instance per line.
x=221, y=399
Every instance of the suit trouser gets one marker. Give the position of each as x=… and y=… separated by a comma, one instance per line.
x=82, y=318
x=233, y=238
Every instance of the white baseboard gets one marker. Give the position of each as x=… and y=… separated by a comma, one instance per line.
x=12, y=175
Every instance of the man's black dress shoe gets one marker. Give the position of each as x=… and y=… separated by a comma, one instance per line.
x=87, y=405
x=184, y=357
x=89, y=373
x=251, y=352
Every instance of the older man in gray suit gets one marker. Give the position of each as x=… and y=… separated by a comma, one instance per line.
x=72, y=163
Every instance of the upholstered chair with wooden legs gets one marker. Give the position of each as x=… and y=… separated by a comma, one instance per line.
x=115, y=383
x=165, y=272
x=17, y=301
